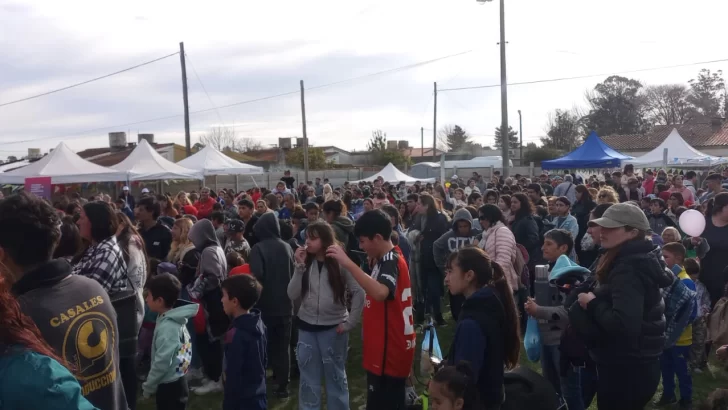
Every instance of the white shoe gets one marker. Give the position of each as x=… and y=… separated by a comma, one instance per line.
x=209, y=387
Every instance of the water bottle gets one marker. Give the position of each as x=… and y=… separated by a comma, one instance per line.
x=542, y=289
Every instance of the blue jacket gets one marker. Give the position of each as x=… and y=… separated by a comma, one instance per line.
x=245, y=362
x=34, y=381
x=404, y=244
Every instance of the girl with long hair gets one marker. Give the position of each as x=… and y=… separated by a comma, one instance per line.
x=320, y=284
x=166, y=205
x=434, y=224
x=33, y=376
x=182, y=199
x=715, y=261
x=525, y=228
x=504, y=204
x=488, y=319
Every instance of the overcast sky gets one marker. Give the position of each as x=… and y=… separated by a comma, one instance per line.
x=244, y=50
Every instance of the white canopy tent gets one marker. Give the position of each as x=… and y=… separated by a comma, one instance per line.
x=145, y=164
x=679, y=154
x=391, y=174
x=64, y=167
x=213, y=162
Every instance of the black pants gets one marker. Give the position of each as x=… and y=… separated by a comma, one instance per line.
x=127, y=371
x=627, y=386
x=279, y=345
x=210, y=355
x=173, y=396
x=385, y=392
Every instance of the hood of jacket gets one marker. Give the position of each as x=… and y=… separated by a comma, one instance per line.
x=344, y=223
x=484, y=301
x=645, y=258
x=250, y=323
x=181, y=311
x=202, y=234
x=461, y=214
x=267, y=227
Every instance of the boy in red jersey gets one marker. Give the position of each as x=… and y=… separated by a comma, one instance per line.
x=387, y=322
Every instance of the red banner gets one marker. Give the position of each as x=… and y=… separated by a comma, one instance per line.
x=39, y=186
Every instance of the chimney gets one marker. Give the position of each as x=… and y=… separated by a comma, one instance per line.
x=117, y=141
x=148, y=137
x=715, y=124
x=34, y=153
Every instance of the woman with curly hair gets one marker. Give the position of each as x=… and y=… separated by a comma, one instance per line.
x=607, y=195
x=33, y=376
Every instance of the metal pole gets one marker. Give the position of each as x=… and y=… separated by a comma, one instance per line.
x=422, y=142
x=188, y=146
x=434, y=128
x=520, y=133
x=504, y=91
x=305, y=136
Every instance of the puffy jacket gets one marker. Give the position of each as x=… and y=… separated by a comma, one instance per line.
x=500, y=245
x=626, y=322
x=34, y=381
x=342, y=226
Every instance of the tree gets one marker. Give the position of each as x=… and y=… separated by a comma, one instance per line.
x=536, y=155
x=668, y=104
x=513, y=142
x=707, y=93
x=316, y=158
x=454, y=137
x=378, y=143
x=226, y=139
x=563, y=130
x=380, y=155
x=616, y=107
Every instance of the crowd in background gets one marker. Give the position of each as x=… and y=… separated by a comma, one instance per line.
x=219, y=290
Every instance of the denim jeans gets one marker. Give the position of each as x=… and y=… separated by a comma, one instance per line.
x=550, y=363
x=674, y=362
x=322, y=354
x=579, y=385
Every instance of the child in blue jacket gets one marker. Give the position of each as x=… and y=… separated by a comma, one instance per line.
x=245, y=346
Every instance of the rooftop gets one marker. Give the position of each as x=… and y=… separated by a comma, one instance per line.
x=698, y=133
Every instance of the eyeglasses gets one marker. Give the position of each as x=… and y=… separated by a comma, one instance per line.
x=603, y=196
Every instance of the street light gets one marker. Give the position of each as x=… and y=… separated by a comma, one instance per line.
x=504, y=88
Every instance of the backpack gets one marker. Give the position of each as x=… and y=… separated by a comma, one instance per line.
x=526, y=389
x=718, y=323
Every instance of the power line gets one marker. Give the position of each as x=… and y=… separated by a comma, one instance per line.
x=270, y=97
x=579, y=77
x=187, y=56
x=87, y=81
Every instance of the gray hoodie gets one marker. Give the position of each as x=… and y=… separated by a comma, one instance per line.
x=450, y=242
x=318, y=306
x=212, y=268
x=271, y=261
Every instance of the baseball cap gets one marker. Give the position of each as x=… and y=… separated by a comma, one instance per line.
x=620, y=215
x=236, y=225
x=145, y=191
x=126, y=188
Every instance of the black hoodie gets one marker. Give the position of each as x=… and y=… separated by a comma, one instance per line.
x=271, y=261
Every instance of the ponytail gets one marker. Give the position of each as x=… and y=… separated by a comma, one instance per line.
x=460, y=384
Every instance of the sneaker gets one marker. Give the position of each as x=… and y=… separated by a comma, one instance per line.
x=665, y=401
x=209, y=387
x=282, y=392
x=686, y=405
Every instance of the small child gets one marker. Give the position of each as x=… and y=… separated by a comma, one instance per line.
x=658, y=219
x=236, y=263
x=171, y=347
x=674, y=360
x=452, y=388
x=671, y=234
x=552, y=319
x=245, y=346
x=698, y=352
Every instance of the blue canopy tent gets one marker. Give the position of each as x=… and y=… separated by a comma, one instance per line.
x=594, y=153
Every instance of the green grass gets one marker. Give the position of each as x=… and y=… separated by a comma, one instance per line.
x=703, y=384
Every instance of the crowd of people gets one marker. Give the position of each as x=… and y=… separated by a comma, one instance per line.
x=105, y=302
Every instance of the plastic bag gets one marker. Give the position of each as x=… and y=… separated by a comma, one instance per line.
x=426, y=366
x=532, y=340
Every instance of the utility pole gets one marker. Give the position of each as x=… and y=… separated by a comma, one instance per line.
x=520, y=133
x=422, y=142
x=434, y=129
x=188, y=144
x=305, y=136
x=504, y=91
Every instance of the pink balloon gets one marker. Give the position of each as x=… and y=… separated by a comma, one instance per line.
x=692, y=222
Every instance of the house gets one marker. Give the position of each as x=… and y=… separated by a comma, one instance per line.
x=709, y=136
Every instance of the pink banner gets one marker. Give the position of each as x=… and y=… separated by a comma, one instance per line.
x=39, y=186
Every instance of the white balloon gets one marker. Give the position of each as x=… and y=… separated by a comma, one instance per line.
x=692, y=222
